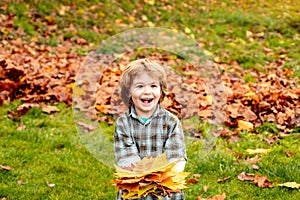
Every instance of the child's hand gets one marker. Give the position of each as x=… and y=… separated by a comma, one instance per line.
x=129, y=168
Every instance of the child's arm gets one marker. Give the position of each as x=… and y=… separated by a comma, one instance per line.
x=126, y=151
x=175, y=146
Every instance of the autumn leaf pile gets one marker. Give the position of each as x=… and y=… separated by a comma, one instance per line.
x=152, y=176
x=274, y=98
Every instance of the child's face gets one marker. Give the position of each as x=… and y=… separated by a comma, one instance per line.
x=145, y=92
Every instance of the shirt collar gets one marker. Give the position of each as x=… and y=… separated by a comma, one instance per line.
x=157, y=113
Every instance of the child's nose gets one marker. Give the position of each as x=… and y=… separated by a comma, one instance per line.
x=147, y=90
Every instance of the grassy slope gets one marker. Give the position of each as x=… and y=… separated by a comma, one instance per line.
x=49, y=150
x=253, y=33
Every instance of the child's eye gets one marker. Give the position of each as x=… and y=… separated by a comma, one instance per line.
x=154, y=86
x=139, y=86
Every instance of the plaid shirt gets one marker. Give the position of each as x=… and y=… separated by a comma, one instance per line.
x=134, y=139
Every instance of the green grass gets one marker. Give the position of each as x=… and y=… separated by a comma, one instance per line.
x=49, y=150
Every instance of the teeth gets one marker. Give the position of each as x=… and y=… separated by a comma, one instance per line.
x=146, y=100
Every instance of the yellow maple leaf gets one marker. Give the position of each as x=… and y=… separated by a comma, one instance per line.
x=258, y=151
x=290, y=185
x=146, y=166
x=244, y=125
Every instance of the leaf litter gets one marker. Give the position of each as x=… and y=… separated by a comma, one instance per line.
x=48, y=78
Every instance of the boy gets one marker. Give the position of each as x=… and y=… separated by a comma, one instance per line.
x=147, y=128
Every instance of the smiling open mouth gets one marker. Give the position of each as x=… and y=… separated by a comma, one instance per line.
x=147, y=100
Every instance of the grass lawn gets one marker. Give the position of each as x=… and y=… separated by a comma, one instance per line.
x=48, y=162
x=48, y=152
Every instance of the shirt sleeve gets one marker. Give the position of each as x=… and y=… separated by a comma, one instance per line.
x=175, y=146
x=126, y=151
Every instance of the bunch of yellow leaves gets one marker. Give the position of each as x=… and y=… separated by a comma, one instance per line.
x=153, y=176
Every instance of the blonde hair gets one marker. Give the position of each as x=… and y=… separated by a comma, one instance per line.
x=136, y=67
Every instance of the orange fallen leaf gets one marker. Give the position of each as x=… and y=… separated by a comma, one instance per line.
x=192, y=180
x=262, y=181
x=219, y=197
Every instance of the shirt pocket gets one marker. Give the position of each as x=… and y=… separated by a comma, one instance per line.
x=128, y=141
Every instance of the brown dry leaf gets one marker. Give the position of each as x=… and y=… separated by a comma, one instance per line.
x=255, y=167
x=21, y=127
x=216, y=197
x=206, y=113
x=253, y=160
x=232, y=109
x=197, y=175
x=271, y=140
x=86, y=127
x=247, y=113
x=15, y=116
x=24, y=108
x=49, y=109
x=289, y=154
x=5, y=167
x=224, y=179
x=262, y=181
x=246, y=177
x=205, y=188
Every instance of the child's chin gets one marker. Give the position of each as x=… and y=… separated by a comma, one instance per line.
x=148, y=108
